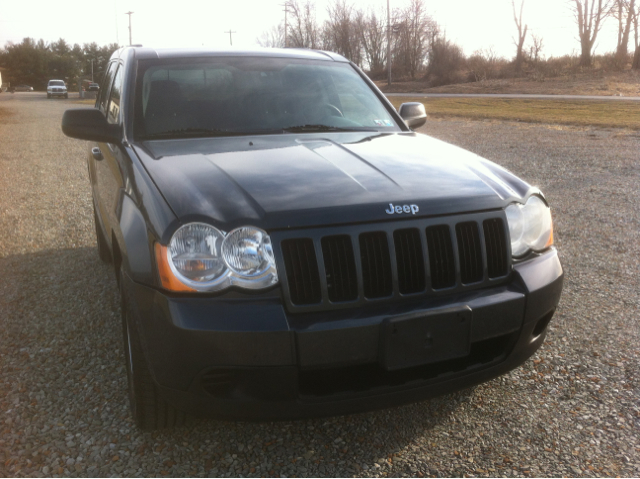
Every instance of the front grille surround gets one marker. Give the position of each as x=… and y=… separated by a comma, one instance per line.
x=390, y=228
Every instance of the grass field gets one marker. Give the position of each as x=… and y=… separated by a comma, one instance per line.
x=618, y=114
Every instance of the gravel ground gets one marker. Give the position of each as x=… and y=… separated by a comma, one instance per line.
x=572, y=410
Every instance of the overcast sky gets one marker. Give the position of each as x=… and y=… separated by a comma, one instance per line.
x=473, y=24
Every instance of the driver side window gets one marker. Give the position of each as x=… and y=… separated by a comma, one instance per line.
x=113, y=108
x=101, y=102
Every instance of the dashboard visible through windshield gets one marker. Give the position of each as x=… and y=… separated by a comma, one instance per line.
x=228, y=96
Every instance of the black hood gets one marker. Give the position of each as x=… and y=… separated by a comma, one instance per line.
x=286, y=181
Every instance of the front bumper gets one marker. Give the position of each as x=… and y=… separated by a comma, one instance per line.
x=57, y=93
x=246, y=357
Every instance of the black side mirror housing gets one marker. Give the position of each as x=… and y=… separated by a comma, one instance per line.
x=90, y=124
x=413, y=114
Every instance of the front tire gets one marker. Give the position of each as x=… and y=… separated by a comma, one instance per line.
x=149, y=409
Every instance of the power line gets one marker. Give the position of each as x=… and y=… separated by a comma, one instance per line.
x=129, y=13
x=286, y=9
x=230, y=39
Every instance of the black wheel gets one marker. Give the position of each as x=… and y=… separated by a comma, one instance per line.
x=148, y=408
x=103, y=246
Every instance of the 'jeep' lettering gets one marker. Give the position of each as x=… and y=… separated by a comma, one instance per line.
x=413, y=209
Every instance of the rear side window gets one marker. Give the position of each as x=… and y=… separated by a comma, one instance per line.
x=101, y=102
x=113, y=112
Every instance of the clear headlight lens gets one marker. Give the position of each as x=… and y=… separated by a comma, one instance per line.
x=530, y=226
x=248, y=251
x=515, y=219
x=195, y=252
x=202, y=258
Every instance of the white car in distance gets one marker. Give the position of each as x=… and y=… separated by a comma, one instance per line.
x=57, y=88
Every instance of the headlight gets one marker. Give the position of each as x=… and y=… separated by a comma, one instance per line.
x=530, y=226
x=194, y=251
x=202, y=258
x=248, y=251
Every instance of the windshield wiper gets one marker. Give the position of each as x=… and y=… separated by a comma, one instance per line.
x=213, y=132
x=314, y=128
x=193, y=132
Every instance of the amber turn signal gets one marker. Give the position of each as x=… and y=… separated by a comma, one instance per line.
x=550, y=240
x=167, y=278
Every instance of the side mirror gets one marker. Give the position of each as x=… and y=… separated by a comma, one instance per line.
x=413, y=114
x=90, y=124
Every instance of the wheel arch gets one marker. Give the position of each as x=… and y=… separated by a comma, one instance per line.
x=131, y=245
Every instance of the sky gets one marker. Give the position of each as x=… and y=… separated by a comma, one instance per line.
x=472, y=24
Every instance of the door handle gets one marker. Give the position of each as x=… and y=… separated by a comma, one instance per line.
x=97, y=154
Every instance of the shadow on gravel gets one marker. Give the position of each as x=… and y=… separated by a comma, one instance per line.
x=63, y=385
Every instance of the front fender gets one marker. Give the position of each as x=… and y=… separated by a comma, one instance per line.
x=143, y=216
x=135, y=244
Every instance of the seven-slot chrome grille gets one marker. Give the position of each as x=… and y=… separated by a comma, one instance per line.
x=337, y=267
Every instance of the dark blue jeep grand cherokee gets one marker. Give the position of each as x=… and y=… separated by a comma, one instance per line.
x=286, y=246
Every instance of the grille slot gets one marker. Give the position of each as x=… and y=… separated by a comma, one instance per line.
x=410, y=260
x=496, y=246
x=442, y=263
x=469, y=252
x=340, y=268
x=332, y=268
x=376, y=265
x=301, y=266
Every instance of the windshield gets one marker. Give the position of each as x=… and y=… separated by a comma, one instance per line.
x=56, y=83
x=234, y=96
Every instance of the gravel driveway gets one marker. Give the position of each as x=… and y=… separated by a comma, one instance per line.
x=573, y=409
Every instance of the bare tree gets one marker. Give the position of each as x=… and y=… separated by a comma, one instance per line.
x=623, y=10
x=340, y=33
x=272, y=38
x=522, y=34
x=483, y=64
x=635, y=13
x=304, y=30
x=371, y=30
x=535, y=50
x=415, y=29
x=589, y=15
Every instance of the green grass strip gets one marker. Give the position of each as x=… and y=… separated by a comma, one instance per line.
x=614, y=113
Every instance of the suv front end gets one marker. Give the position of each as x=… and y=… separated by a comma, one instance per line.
x=287, y=247
x=57, y=88
x=365, y=316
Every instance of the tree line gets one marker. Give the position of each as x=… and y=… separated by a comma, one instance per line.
x=34, y=63
x=410, y=40
x=418, y=49
x=360, y=35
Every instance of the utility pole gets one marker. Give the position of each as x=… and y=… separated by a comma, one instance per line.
x=129, y=13
x=388, y=45
x=92, y=70
x=230, y=39
x=286, y=8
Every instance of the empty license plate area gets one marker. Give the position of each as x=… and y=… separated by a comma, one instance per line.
x=425, y=338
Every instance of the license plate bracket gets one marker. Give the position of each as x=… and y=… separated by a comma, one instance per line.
x=424, y=338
